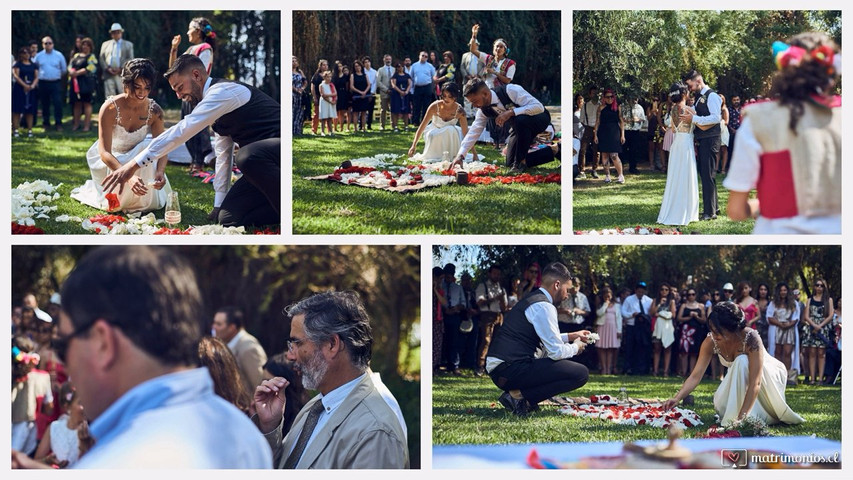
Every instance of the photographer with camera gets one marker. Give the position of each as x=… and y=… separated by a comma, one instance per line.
x=637, y=331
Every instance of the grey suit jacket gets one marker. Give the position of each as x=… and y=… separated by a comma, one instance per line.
x=464, y=67
x=383, y=79
x=251, y=358
x=107, y=49
x=362, y=433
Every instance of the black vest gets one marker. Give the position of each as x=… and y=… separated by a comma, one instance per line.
x=258, y=119
x=516, y=340
x=503, y=97
x=702, y=110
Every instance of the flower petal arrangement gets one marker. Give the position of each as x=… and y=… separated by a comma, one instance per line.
x=383, y=171
x=637, y=230
x=605, y=407
x=32, y=201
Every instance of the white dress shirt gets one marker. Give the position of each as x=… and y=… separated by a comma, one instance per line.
x=631, y=305
x=715, y=106
x=331, y=401
x=543, y=317
x=371, y=75
x=217, y=100
x=589, y=115
x=526, y=105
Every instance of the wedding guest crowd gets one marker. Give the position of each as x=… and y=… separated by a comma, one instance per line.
x=639, y=334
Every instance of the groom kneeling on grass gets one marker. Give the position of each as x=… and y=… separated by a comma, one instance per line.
x=240, y=115
x=513, y=106
x=511, y=361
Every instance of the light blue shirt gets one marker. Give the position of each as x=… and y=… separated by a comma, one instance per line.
x=175, y=421
x=331, y=401
x=51, y=65
x=422, y=73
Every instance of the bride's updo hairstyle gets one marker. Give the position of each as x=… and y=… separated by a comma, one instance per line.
x=677, y=92
x=451, y=88
x=726, y=317
x=138, y=68
x=810, y=65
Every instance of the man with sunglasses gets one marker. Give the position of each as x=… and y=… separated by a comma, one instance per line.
x=128, y=334
x=52, y=69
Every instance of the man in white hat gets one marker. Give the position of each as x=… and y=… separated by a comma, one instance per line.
x=114, y=54
x=728, y=292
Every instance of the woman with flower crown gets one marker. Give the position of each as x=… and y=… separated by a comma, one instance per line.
x=754, y=385
x=789, y=148
x=201, y=35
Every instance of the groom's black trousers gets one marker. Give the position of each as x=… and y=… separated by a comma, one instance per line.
x=540, y=379
x=522, y=130
x=255, y=199
x=709, y=147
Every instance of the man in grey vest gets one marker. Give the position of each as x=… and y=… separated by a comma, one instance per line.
x=708, y=107
x=532, y=324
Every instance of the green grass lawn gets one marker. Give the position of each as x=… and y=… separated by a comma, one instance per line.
x=597, y=205
x=321, y=207
x=61, y=158
x=466, y=411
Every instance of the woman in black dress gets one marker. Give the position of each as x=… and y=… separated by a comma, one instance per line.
x=81, y=73
x=400, y=85
x=344, y=105
x=610, y=135
x=24, y=101
x=690, y=332
x=359, y=86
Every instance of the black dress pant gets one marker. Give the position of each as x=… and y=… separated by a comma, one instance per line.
x=709, y=147
x=540, y=379
x=255, y=199
x=199, y=144
x=522, y=130
x=422, y=98
x=50, y=94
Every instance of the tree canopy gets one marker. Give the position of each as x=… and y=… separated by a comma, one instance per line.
x=705, y=267
x=642, y=52
x=248, y=43
x=533, y=38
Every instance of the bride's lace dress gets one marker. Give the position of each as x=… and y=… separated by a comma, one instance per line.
x=680, y=204
x=442, y=136
x=770, y=405
x=125, y=146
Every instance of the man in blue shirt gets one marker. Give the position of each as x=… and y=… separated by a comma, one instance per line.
x=128, y=334
x=52, y=68
x=422, y=73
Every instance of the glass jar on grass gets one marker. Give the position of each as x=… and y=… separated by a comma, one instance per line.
x=173, y=210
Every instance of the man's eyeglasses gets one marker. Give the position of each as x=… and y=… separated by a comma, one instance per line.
x=61, y=342
x=293, y=343
x=691, y=294
x=47, y=43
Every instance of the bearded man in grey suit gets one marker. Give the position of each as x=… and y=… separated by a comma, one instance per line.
x=348, y=424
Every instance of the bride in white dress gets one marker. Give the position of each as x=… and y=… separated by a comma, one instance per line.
x=439, y=127
x=124, y=122
x=754, y=384
x=680, y=204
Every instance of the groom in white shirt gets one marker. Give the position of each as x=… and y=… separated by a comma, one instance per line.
x=508, y=104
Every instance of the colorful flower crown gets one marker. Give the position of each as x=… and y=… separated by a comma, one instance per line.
x=791, y=55
x=25, y=357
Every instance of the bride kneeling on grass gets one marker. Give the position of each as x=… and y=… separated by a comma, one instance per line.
x=754, y=384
